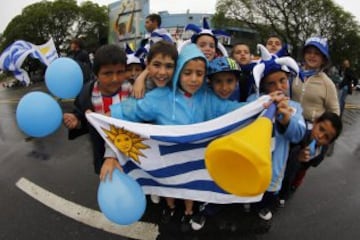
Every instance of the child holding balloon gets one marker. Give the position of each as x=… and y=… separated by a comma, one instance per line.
x=97, y=95
x=270, y=75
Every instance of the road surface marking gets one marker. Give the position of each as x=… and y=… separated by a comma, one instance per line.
x=352, y=106
x=88, y=216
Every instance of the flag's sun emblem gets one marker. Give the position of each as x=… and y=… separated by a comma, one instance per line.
x=127, y=142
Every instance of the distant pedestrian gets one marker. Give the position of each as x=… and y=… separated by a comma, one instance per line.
x=345, y=86
x=81, y=57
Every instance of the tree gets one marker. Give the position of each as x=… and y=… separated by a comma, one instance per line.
x=93, y=23
x=295, y=21
x=61, y=20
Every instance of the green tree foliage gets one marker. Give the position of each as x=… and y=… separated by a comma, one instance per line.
x=60, y=19
x=295, y=21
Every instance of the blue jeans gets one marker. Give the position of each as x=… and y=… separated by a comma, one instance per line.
x=342, y=97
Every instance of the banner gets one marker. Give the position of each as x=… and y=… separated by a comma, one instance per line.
x=127, y=21
x=169, y=160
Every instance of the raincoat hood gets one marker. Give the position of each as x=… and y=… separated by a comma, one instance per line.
x=188, y=53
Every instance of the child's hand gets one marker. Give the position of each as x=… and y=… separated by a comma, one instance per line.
x=108, y=167
x=275, y=97
x=278, y=96
x=139, y=85
x=304, y=154
x=70, y=120
x=284, y=112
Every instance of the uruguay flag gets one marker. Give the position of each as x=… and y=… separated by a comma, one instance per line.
x=169, y=160
x=14, y=55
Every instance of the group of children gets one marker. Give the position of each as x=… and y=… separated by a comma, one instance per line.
x=193, y=85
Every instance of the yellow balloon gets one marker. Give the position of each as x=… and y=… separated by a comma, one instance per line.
x=240, y=163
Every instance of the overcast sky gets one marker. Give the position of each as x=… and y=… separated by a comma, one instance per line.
x=12, y=8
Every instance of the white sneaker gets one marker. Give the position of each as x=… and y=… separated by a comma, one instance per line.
x=155, y=198
x=198, y=221
x=265, y=214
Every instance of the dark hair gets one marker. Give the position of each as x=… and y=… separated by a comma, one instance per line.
x=163, y=48
x=108, y=54
x=274, y=36
x=78, y=42
x=335, y=121
x=155, y=18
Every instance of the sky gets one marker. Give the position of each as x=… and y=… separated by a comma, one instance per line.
x=14, y=7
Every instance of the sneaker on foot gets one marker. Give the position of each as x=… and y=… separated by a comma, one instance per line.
x=166, y=214
x=265, y=214
x=281, y=203
x=186, y=222
x=198, y=221
x=263, y=226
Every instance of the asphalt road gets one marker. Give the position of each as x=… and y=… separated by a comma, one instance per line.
x=60, y=173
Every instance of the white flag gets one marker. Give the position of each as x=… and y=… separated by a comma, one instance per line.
x=169, y=160
x=14, y=55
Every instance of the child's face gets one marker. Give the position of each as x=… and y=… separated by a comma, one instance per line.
x=241, y=54
x=207, y=45
x=276, y=81
x=313, y=58
x=161, y=69
x=111, y=77
x=192, y=76
x=323, y=132
x=133, y=70
x=273, y=44
x=223, y=84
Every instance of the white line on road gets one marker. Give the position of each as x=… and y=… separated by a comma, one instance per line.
x=93, y=218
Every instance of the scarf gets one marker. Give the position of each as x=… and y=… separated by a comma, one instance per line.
x=97, y=99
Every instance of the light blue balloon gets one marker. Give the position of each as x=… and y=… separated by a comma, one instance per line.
x=122, y=199
x=38, y=114
x=64, y=78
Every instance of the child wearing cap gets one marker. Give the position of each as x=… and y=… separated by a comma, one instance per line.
x=316, y=93
x=223, y=74
x=272, y=74
x=206, y=39
x=134, y=62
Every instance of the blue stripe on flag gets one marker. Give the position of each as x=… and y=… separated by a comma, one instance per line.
x=168, y=149
x=169, y=171
x=200, y=185
x=200, y=136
